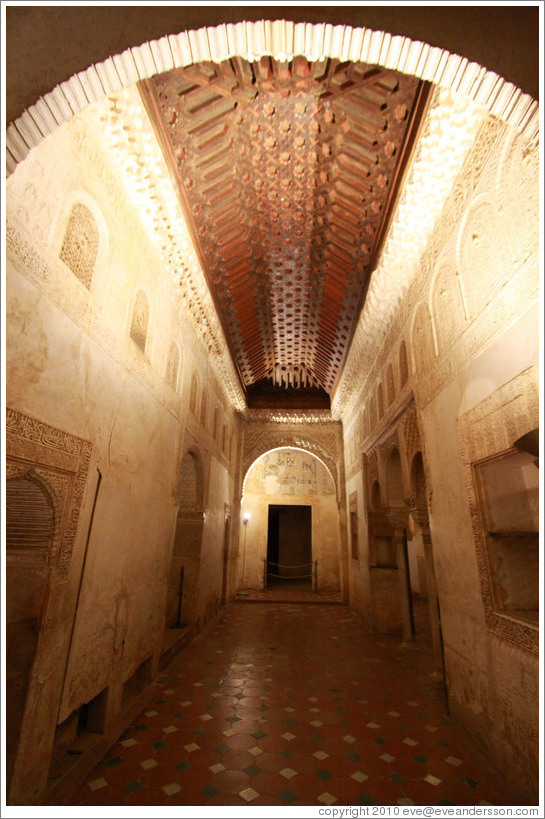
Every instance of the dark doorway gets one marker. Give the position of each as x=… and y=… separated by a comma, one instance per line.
x=289, y=546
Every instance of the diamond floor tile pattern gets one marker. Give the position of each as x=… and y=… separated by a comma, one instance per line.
x=299, y=705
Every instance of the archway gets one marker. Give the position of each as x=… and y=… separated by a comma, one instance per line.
x=282, y=39
x=290, y=522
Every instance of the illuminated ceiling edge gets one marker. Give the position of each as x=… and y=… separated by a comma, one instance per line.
x=282, y=40
x=447, y=136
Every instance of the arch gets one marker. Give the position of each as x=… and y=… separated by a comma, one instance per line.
x=204, y=407
x=390, y=386
x=191, y=482
x=283, y=40
x=372, y=412
x=446, y=304
x=278, y=448
x=394, y=478
x=140, y=320
x=376, y=499
x=418, y=477
x=380, y=400
x=193, y=394
x=364, y=423
x=422, y=338
x=482, y=252
x=173, y=366
x=403, y=363
x=291, y=519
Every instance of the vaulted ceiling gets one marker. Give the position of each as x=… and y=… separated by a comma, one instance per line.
x=288, y=174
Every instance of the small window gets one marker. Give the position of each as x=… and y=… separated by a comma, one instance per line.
x=80, y=244
x=140, y=320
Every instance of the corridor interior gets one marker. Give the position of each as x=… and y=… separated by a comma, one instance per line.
x=293, y=704
x=273, y=317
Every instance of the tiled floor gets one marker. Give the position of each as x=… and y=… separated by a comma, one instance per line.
x=294, y=705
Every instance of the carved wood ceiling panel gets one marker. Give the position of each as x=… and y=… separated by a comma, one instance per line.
x=288, y=174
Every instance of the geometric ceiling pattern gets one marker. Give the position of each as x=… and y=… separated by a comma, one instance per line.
x=288, y=174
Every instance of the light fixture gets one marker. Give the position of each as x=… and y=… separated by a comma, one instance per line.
x=243, y=591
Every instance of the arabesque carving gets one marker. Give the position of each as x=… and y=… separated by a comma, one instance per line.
x=62, y=461
x=490, y=428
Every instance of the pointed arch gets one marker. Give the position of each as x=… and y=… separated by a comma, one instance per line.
x=140, y=320
x=173, y=366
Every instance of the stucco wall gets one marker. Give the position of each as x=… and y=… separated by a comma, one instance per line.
x=289, y=477
x=471, y=327
x=71, y=364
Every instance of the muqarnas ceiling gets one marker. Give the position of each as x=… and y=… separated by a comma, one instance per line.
x=288, y=174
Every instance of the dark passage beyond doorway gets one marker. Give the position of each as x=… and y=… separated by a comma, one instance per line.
x=289, y=546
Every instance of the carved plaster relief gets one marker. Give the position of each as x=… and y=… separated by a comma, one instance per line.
x=447, y=304
x=488, y=429
x=324, y=442
x=517, y=195
x=61, y=461
x=482, y=252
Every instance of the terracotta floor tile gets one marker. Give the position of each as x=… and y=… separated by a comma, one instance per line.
x=232, y=781
x=258, y=705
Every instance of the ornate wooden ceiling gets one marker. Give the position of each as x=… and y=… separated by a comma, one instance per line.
x=288, y=174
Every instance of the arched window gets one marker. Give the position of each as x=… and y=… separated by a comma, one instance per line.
x=140, y=320
x=80, y=244
x=173, y=365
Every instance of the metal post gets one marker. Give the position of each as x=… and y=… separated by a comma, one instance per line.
x=179, y=623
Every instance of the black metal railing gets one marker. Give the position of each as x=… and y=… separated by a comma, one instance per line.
x=311, y=574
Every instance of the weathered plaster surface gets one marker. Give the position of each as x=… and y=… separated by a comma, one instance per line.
x=471, y=325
